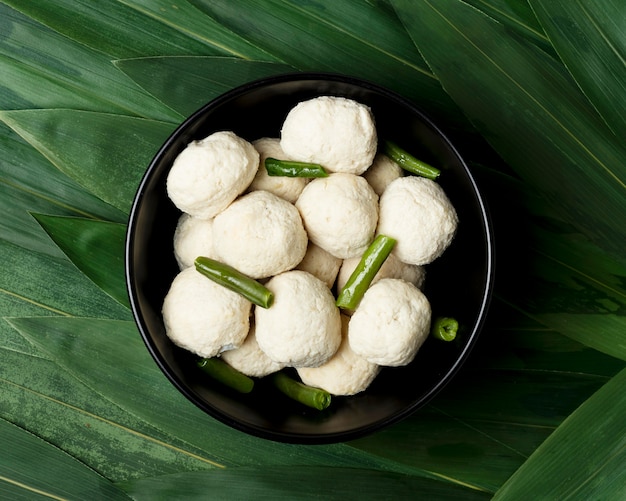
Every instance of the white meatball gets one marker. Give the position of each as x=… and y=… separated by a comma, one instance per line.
x=321, y=264
x=346, y=373
x=382, y=171
x=204, y=317
x=340, y=213
x=302, y=328
x=391, y=323
x=418, y=214
x=209, y=174
x=249, y=359
x=288, y=188
x=335, y=132
x=260, y=235
x=193, y=237
x=391, y=268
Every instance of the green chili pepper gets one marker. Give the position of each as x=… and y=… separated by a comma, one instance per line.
x=408, y=162
x=225, y=374
x=234, y=280
x=308, y=395
x=444, y=328
x=360, y=279
x=289, y=168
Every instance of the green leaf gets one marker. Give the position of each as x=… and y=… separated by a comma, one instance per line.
x=28, y=182
x=107, y=154
x=95, y=247
x=140, y=27
x=186, y=83
x=296, y=482
x=525, y=104
x=582, y=459
x=124, y=373
x=117, y=29
x=68, y=415
x=42, y=69
x=552, y=273
x=518, y=17
x=485, y=424
x=589, y=37
x=31, y=468
x=352, y=37
x=32, y=281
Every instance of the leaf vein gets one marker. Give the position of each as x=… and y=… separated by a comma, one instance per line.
x=532, y=98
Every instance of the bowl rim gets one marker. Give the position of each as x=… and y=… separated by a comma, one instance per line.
x=294, y=437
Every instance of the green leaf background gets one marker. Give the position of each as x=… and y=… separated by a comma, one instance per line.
x=533, y=93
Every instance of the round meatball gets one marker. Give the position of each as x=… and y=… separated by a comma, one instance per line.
x=382, y=171
x=338, y=133
x=303, y=326
x=288, y=188
x=418, y=214
x=391, y=323
x=346, y=373
x=260, y=235
x=321, y=264
x=391, y=268
x=204, y=317
x=193, y=237
x=249, y=359
x=340, y=213
x=209, y=174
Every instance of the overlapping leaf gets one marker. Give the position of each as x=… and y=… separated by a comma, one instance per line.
x=30, y=467
x=485, y=425
x=571, y=466
x=29, y=182
x=42, y=69
x=554, y=274
x=125, y=374
x=518, y=17
x=95, y=247
x=64, y=412
x=120, y=147
x=186, y=83
x=526, y=105
x=363, y=39
x=297, y=482
x=590, y=39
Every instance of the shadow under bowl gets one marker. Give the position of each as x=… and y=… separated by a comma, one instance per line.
x=458, y=284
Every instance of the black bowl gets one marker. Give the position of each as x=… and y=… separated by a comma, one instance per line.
x=458, y=283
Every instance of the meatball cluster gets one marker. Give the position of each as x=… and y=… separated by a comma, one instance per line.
x=303, y=238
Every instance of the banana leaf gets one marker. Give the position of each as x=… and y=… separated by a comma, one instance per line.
x=543, y=384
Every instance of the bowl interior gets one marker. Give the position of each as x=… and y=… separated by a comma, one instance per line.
x=457, y=284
